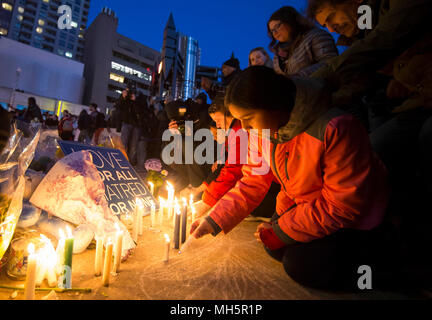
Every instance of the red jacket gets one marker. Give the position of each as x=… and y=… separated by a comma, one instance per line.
x=331, y=179
x=232, y=170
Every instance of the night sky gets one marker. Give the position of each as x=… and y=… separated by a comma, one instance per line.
x=220, y=26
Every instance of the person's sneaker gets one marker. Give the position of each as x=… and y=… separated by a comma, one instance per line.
x=252, y=218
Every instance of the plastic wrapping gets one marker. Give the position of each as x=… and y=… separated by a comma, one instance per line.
x=14, y=161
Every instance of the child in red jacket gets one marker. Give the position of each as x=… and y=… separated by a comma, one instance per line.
x=330, y=211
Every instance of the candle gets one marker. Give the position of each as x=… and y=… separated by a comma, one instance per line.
x=140, y=207
x=161, y=210
x=60, y=251
x=151, y=184
x=30, y=282
x=184, y=221
x=170, y=204
x=193, y=213
x=118, y=249
x=177, y=228
x=191, y=200
x=153, y=214
x=107, y=263
x=51, y=262
x=187, y=244
x=135, y=230
x=41, y=268
x=65, y=281
x=167, y=243
x=99, y=256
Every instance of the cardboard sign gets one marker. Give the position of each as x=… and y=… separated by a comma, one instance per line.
x=122, y=184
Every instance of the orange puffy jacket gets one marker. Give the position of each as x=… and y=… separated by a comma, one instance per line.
x=330, y=177
x=232, y=170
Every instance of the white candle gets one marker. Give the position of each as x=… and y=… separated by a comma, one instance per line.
x=151, y=184
x=191, y=200
x=135, y=229
x=193, y=213
x=118, y=249
x=140, y=206
x=60, y=251
x=153, y=214
x=167, y=247
x=41, y=268
x=107, y=263
x=161, y=210
x=171, y=192
x=30, y=283
x=99, y=256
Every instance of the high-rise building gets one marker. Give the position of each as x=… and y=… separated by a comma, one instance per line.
x=35, y=22
x=113, y=61
x=181, y=55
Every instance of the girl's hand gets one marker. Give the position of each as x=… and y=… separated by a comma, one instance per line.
x=200, y=228
x=261, y=227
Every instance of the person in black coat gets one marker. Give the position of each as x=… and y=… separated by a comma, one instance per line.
x=33, y=111
x=84, y=125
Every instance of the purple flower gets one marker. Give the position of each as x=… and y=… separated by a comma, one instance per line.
x=153, y=165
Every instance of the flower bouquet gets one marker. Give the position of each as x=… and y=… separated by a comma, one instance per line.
x=155, y=174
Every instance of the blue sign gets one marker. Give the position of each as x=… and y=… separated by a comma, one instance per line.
x=122, y=184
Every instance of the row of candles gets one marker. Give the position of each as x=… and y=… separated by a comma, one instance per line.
x=48, y=263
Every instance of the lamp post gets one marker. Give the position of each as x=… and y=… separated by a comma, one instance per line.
x=15, y=87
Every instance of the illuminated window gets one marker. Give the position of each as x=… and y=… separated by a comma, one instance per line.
x=69, y=54
x=20, y=17
x=7, y=6
x=20, y=9
x=116, y=77
x=3, y=32
x=47, y=1
x=74, y=24
x=41, y=22
x=39, y=30
x=139, y=74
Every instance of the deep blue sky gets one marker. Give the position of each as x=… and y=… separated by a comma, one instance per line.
x=220, y=26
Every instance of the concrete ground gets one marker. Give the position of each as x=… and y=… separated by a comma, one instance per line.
x=231, y=267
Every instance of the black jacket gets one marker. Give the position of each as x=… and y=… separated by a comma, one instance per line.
x=33, y=111
x=84, y=121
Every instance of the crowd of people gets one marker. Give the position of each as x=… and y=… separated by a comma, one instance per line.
x=351, y=138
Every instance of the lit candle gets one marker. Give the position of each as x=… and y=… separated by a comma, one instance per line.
x=41, y=267
x=135, y=230
x=175, y=205
x=167, y=250
x=177, y=228
x=153, y=214
x=161, y=210
x=51, y=262
x=193, y=210
x=140, y=207
x=107, y=263
x=191, y=200
x=30, y=283
x=60, y=251
x=118, y=249
x=184, y=221
x=65, y=281
x=99, y=256
x=170, y=203
x=151, y=184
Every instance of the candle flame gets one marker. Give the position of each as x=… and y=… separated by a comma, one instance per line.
x=139, y=202
x=62, y=234
x=191, y=199
x=184, y=202
x=69, y=232
x=151, y=184
x=169, y=185
x=177, y=208
x=30, y=248
x=117, y=227
x=167, y=238
x=161, y=201
x=193, y=209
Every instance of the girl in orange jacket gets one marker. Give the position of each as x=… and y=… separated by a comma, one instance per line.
x=334, y=189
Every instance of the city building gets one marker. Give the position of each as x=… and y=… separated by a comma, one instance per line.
x=113, y=62
x=56, y=82
x=35, y=22
x=181, y=55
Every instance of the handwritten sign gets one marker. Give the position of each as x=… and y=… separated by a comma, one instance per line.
x=122, y=184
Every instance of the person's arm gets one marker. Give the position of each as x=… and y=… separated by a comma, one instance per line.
x=322, y=48
x=354, y=187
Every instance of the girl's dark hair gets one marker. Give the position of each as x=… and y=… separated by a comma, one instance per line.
x=290, y=16
x=218, y=105
x=260, y=87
